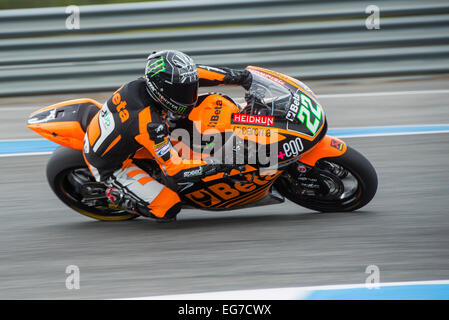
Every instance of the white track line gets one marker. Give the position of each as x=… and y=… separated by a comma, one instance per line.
x=25, y=154
x=378, y=94
x=19, y=140
x=368, y=135
x=275, y=293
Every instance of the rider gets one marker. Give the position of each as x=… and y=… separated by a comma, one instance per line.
x=136, y=116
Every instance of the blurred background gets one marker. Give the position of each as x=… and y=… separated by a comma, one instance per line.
x=381, y=64
x=98, y=47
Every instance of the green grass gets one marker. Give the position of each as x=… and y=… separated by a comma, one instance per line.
x=21, y=4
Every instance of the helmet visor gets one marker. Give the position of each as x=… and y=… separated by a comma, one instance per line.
x=184, y=94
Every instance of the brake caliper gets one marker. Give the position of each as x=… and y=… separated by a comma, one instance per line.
x=315, y=181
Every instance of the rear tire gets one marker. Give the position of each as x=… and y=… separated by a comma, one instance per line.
x=65, y=161
x=357, y=166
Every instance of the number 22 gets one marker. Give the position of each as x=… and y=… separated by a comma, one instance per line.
x=304, y=114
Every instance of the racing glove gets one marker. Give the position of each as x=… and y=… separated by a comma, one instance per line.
x=240, y=77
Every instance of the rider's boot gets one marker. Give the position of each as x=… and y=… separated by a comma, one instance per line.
x=125, y=201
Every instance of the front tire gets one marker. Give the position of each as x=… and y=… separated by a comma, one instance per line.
x=345, y=183
x=65, y=170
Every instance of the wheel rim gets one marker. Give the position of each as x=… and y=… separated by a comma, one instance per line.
x=332, y=185
x=347, y=181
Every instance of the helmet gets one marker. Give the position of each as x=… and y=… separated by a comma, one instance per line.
x=172, y=80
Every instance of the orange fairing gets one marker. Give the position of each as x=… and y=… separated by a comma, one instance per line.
x=61, y=122
x=213, y=113
x=66, y=133
x=326, y=148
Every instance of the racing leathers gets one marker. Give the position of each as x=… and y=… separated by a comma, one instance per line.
x=131, y=120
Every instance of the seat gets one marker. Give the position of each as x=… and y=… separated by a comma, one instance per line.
x=86, y=114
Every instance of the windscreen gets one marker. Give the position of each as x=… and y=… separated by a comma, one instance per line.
x=285, y=98
x=267, y=95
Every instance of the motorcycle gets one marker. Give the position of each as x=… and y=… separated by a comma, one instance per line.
x=280, y=113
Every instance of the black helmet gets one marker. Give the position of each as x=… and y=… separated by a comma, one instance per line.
x=172, y=80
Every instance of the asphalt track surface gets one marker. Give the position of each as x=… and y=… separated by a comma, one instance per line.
x=404, y=230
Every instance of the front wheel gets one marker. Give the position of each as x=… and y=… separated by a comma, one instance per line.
x=72, y=182
x=335, y=184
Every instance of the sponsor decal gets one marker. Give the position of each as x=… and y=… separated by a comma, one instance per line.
x=160, y=128
x=181, y=109
x=218, y=193
x=215, y=117
x=107, y=126
x=160, y=145
x=193, y=173
x=185, y=185
x=250, y=131
x=121, y=107
x=156, y=67
x=337, y=144
x=106, y=117
x=51, y=116
x=294, y=107
x=253, y=119
x=156, y=131
x=303, y=109
x=162, y=148
x=292, y=148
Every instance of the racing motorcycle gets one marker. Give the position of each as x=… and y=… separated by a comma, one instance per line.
x=279, y=113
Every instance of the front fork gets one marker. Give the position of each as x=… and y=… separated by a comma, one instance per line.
x=311, y=179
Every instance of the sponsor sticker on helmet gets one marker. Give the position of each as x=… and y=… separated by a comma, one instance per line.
x=156, y=67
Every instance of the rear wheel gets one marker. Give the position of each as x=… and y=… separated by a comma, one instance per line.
x=344, y=183
x=73, y=184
